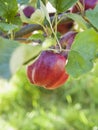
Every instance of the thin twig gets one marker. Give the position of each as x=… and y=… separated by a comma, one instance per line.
x=27, y=29
x=27, y=40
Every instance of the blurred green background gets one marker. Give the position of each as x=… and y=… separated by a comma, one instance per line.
x=74, y=106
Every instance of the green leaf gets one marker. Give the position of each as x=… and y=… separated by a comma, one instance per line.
x=78, y=19
x=35, y=16
x=39, y=36
x=34, y=19
x=13, y=55
x=92, y=16
x=77, y=65
x=8, y=9
x=25, y=54
x=48, y=42
x=45, y=12
x=45, y=1
x=17, y=21
x=7, y=27
x=83, y=52
x=62, y=5
x=7, y=47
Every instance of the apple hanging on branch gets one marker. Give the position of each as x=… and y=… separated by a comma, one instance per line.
x=85, y=5
x=48, y=70
x=76, y=47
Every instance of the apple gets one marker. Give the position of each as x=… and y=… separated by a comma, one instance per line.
x=28, y=10
x=66, y=41
x=48, y=70
x=88, y=4
x=64, y=27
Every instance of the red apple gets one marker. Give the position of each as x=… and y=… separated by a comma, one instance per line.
x=48, y=70
x=88, y=4
x=64, y=27
x=66, y=41
x=28, y=10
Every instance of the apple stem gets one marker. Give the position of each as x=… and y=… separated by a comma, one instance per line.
x=54, y=33
x=45, y=29
x=57, y=40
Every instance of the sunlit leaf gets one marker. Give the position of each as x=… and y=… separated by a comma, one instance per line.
x=62, y=5
x=8, y=9
x=7, y=27
x=78, y=19
x=92, y=15
x=7, y=47
x=25, y=54
x=34, y=19
x=83, y=52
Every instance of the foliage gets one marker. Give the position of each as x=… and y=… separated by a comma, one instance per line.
x=91, y=15
x=63, y=5
x=7, y=47
x=84, y=58
x=24, y=106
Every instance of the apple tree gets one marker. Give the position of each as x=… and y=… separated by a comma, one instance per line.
x=51, y=45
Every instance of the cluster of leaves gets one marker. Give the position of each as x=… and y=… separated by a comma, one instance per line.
x=84, y=50
x=27, y=107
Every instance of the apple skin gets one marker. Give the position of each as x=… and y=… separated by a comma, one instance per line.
x=66, y=42
x=64, y=27
x=28, y=10
x=89, y=4
x=48, y=70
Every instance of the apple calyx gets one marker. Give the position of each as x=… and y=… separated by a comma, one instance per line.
x=48, y=70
